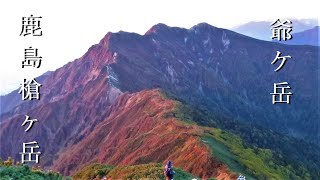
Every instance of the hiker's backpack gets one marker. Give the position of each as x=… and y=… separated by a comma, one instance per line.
x=169, y=173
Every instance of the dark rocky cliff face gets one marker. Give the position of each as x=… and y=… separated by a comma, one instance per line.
x=224, y=72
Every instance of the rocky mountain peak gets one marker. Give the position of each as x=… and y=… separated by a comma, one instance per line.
x=160, y=27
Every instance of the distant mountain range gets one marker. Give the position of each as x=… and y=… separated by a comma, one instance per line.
x=307, y=37
x=199, y=97
x=261, y=29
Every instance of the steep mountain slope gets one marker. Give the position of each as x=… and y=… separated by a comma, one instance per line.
x=69, y=109
x=224, y=72
x=83, y=104
x=140, y=130
x=143, y=128
x=216, y=69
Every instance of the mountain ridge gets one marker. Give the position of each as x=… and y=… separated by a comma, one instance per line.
x=203, y=66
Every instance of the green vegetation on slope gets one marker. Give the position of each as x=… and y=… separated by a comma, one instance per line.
x=93, y=171
x=257, y=161
x=144, y=171
x=9, y=171
x=261, y=152
x=222, y=153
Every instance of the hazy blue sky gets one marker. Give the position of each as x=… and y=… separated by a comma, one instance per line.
x=71, y=27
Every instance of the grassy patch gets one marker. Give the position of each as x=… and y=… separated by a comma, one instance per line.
x=222, y=153
x=23, y=172
x=93, y=171
x=144, y=171
x=256, y=161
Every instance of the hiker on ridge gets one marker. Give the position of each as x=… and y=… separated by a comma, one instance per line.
x=168, y=171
